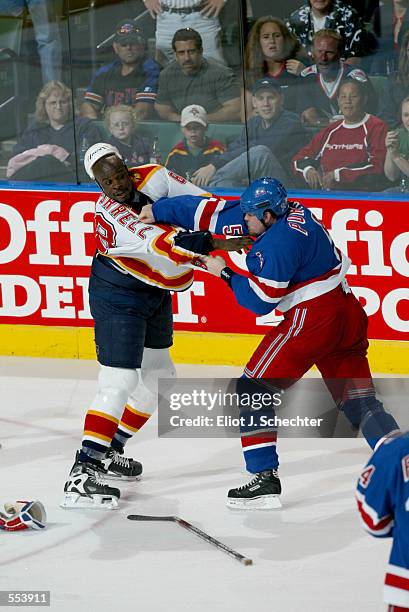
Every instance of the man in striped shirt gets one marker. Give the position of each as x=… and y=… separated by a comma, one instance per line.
x=199, y=15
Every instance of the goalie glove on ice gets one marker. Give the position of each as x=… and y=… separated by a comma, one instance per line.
x=22, y=515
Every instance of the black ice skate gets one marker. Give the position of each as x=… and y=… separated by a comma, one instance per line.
x=86, y=488
x=121, y=468
x=261, y=493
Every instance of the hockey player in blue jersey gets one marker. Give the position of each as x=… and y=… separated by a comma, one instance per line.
x=383, y=502
x=293, y=265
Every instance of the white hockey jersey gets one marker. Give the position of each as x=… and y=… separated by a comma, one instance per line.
x=147, y=252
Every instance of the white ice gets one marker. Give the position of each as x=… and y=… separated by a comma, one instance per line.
x=311, y=556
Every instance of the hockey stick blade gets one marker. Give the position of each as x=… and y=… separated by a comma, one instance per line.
x=201, y=534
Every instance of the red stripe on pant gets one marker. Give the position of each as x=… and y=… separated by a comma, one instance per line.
x=398, y=582
x=258, y=439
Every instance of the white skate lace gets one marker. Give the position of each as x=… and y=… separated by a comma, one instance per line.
x=255, y=480
x=96, y=476
x=249, y=484
x=119, y=460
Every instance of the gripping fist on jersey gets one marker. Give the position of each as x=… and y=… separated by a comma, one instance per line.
x=146, y=214
x=214, y=265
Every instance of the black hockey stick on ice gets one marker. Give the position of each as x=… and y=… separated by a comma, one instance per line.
x=197, y=531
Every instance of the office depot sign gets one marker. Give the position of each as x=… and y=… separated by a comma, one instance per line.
x=46, y=247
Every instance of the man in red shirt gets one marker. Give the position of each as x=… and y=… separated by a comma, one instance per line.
x=349, y=153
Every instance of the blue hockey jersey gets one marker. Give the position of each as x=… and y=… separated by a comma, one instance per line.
x=383, y=501
x=293, y=261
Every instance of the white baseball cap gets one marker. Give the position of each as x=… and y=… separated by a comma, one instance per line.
x=94, y=153
x=193, y=114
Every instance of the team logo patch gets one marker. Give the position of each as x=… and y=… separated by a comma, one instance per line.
x=260, y=258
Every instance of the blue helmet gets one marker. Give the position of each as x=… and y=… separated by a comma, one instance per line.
x=264, y=194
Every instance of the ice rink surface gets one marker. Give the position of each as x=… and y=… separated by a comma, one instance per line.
x=310, y=556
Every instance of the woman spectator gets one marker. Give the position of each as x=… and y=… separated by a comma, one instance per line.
x=46, y=150
x=397, y=88
x=273, y=51
x=397, y=150
x=120, y=124
x=350, y=153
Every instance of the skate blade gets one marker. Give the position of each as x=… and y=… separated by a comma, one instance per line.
x=113, y=476
x=98, y=502
x=264, y=502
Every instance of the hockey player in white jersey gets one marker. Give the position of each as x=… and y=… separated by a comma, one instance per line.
x=135, y=267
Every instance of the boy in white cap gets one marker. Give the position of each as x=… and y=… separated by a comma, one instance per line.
x=196, y=149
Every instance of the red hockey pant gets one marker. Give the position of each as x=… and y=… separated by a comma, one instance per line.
x=329, y=331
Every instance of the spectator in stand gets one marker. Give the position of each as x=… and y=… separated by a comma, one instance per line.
x=349, y=153
x=317, y=98
x=335, y=15
x=397, y=150
x=391, y=22
x=199, y=15
x=46, y=32
x=47, y=150
x=131, y=79
x=397, y=88
x=275, y=52
x=192, y=79
x=265, y=146
x=120, y=124
x=196, y=149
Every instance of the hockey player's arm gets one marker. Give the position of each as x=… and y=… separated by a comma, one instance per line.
x=200, y=213
x=204, y=243
x=373, y=497
x=255, y=293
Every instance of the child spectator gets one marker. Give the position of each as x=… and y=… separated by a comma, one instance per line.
x=120, y=123
x=196, y=149
x=397, y=149
x=275, y=52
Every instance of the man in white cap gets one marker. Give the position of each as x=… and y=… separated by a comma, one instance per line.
x=135, y=267
x=196, y=149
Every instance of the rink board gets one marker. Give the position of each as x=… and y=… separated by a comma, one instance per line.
x=189, y=347
x=46, y=247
